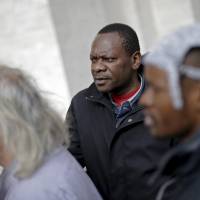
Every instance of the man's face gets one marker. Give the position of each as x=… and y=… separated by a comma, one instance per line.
x=160, y=114
x=111, y=65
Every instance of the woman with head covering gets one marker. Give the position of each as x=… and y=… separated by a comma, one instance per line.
x=172, y=102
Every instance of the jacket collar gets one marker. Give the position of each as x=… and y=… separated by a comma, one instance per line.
x=181, y=160
x=93, y=94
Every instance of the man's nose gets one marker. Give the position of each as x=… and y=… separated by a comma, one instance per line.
x=99, y=66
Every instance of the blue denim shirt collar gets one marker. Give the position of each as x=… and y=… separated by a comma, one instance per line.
x=128, y=105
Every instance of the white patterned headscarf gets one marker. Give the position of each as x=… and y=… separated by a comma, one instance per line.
x=169, y=55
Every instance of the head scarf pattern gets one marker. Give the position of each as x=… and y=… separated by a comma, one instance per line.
x=169, y=55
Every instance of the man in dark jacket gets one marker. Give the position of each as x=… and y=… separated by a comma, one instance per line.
x=172, y=102
x=108, y=135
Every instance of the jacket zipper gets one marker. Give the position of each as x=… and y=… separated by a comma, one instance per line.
x=119, y=121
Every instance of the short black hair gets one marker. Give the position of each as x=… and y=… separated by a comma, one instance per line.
x=128, y=35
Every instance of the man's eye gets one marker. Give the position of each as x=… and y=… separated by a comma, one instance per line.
x=93, y=60
x=110, y=59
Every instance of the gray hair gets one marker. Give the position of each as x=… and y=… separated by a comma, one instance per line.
x=29, y=127
x=169, y=55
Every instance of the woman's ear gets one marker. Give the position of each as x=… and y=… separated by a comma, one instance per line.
x=198, y=102
x=198, y=96
x=192, y=93
x=136, y=60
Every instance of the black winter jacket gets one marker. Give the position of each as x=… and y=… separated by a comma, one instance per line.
x=181, y=166
x=119, y=158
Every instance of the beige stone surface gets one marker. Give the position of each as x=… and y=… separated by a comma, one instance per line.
x=28, y=41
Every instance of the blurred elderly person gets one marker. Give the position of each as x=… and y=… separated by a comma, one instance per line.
x=172, y=102
x=35, y=161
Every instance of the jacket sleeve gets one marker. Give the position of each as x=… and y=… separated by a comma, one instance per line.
x=75, y=142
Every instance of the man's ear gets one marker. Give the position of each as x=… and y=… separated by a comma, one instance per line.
x=136, y=60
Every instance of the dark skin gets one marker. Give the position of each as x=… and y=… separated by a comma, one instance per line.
x=114, y=70
x=193, y=88
x=160, y=115
x=193, y=58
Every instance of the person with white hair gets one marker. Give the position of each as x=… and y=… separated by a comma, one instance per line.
x=33, y=146
x=172, y=103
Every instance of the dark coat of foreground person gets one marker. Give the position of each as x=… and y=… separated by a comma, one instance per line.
x=172, y=110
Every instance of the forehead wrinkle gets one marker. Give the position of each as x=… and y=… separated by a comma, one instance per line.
x=102, y=52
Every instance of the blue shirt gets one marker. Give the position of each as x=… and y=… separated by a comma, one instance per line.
x=127, y=106
x=59, y=178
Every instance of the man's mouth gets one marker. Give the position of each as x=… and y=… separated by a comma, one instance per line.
x=101, y=80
